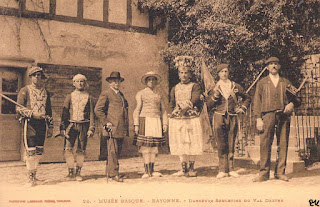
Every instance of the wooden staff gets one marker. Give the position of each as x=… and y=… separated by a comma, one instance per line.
x=9, y=99
x=255, y=81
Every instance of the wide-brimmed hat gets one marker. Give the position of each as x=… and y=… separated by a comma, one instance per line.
x=150, y=74
x=222, y=66
x=272, y=59
x=36, y=69
x=114, y=75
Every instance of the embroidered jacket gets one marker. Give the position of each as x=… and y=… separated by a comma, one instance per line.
x=185, y=94
x=78, y=107
x=37, y=100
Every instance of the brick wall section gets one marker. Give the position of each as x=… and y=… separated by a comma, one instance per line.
x=59, y=84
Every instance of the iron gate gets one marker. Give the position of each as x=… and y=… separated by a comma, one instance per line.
x=305, y=122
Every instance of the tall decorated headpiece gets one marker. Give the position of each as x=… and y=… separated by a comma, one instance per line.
x=184, y=62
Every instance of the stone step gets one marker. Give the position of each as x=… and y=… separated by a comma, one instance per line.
x=254, y=163
x=251, y=159
x=254, y=153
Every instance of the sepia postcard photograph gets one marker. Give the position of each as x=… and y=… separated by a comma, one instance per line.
x=159, y=103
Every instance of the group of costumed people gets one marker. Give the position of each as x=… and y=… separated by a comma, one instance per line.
x=184, y=121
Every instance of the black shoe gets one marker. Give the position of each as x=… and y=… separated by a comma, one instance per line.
x=281, y=177
x=71, y=174
x=260, y=179
x=192, y=172
x=149, y=166
x=78, y=177
x=185, y=169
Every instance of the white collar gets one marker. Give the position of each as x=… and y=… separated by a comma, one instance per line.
x=274, y=79
x=115, y=90
x=225, y=87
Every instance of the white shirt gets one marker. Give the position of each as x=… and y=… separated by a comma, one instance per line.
x=225, y=88
x=116, y=91
x=274, y=79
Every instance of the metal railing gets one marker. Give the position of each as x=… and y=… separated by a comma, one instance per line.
x=307, y=116
x=305, y=122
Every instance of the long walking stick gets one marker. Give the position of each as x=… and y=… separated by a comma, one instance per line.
x=12, y=101
x=115, y=149
x=256, y=80
x=108, y=139
x=25, y=126
x=109, y=131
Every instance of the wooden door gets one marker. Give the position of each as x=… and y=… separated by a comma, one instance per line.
x=10, y=129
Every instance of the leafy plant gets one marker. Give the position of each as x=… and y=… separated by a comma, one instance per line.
x=242, y=33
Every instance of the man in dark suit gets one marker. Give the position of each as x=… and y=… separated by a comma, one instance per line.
x=112, y=111
x=273, y=105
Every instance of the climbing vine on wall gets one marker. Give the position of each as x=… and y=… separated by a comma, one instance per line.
x=34, y=24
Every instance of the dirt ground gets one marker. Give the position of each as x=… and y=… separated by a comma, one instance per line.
x=203, y=190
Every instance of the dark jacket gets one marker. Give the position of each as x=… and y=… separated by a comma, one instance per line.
x=223, y=105
x=113, y=108
x=268, y=98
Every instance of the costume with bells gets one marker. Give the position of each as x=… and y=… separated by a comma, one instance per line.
x=37, y=121
x=185, y=130
x=147, y=117
x=77, y=123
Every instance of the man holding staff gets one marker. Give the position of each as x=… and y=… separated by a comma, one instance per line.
x=273, y=107
x=112, y=111
x=37, y=117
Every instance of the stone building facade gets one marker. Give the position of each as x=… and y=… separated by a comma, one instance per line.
x=66, y=37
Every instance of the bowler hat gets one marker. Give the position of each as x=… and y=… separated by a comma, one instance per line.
x=36, y=69
x=272, y=59
x=114, y=75
x=222, y=66
x=150, y=74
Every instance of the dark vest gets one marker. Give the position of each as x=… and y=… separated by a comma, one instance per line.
x=276, y=98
